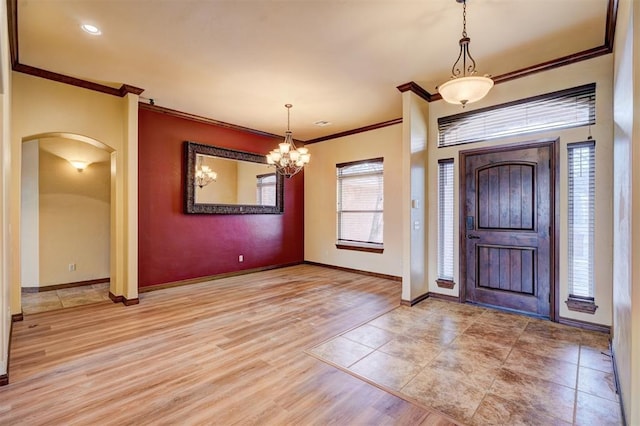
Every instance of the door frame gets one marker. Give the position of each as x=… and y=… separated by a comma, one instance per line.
x=554, y=279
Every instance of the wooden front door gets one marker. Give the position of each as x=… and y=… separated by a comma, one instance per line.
x=507, y=227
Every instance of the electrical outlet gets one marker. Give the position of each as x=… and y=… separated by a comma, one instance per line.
x=72, y=267
x=241, y=258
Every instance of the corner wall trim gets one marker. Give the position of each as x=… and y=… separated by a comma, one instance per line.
x=115, y=299
x=415, y=300
x=617, y=382
x=585, y=325
x=446, y=297
x=355, y=271
x=130, y=302
x=65, y=285
x=17, y=317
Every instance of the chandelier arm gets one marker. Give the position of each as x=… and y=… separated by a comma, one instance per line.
x=455, y=69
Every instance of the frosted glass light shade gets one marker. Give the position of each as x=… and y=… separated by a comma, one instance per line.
x=465, y=90
x=79, y=165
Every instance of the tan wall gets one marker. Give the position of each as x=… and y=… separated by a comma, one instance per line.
x=626, y=202
x=247, y=181
x=224, y=189
x=44, y=107
x=74, y=221
x=597, y=70
x=29, y=218
x=320, y=200
x=5, y=158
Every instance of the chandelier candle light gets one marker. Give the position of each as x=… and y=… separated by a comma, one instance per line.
x=464, y=87
x=287, y=159
x=204, y=174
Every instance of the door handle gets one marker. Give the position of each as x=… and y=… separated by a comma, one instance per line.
x=473, y=237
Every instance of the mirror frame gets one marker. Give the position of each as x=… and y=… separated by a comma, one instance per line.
x=192, y=149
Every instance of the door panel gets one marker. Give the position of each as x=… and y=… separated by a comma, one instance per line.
x=508, y=222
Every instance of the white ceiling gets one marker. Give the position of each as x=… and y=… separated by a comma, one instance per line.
x=335, y=60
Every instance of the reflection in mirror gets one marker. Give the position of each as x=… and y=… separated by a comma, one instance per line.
x=236, y=182
x=225, y=181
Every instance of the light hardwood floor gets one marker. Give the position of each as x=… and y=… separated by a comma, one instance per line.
x=230, y=351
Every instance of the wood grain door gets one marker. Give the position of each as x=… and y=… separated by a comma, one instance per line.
x=507, y=228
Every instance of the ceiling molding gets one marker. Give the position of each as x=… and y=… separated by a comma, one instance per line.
x=604, y=49
x=414, y=87
x=205, y=120
x=12, y=21
x=355, y=131
x=12, y=18
x=85, y=84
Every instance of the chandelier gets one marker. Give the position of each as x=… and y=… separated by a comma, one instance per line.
x=204, y=174
x=287, y=159
x=464, y=87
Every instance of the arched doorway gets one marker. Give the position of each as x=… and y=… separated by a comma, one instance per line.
x=65, y=222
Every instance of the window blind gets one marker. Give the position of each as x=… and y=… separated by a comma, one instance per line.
x=445, y=219
x=582, y=161
x=360, y=201
x=557, y=110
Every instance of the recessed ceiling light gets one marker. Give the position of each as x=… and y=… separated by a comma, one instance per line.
x=322, y=123
x=91, y=29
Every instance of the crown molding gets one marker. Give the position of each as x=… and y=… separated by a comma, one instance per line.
x=355, y=131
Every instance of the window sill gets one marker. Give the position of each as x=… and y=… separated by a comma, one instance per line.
x=445, y=283
x=586, y=306
x=369, y=248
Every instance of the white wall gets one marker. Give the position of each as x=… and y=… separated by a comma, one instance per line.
x=30, y=215
x=626, y=204
x=320, y=200
x=599, y=70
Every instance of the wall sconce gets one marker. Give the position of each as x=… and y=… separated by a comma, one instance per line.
x=79, y=165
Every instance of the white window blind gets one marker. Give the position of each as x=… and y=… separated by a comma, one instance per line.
x=266, y=189
x=445, y=219
x=557, y=110
x=360, y=201
x=581, y=218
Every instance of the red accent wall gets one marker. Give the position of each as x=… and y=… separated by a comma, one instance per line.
x=176, y=246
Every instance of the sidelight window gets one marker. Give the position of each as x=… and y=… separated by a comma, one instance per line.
x=445, y=220
x=360, y=205
x=581, y=157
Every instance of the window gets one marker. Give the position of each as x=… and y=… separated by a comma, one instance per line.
x=581, y=225
x=360, y=205
x=557, y=110
x=445, y=223
x=266, y=189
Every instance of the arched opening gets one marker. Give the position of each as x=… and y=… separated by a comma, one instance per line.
x=67, y=230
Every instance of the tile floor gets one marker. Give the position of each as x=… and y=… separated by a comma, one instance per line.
x=64, y=298
x=482, y=366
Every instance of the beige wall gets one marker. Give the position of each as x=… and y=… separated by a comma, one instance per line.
x=43, y=107
x=597, y=70
x=5, y=160
x=626, y=202
x=74, y=221
x=415, y=122
x=320, y=200
x=225, y=189
x=29, y=217
x=247, y=181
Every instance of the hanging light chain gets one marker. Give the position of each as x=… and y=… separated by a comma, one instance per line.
x=464, y=18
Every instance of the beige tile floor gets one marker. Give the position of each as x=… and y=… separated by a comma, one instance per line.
x=64, y=298
x=482, y=366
